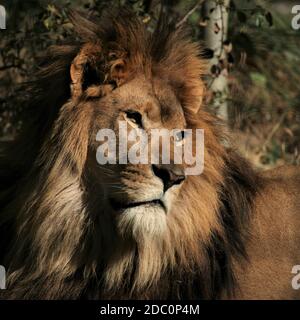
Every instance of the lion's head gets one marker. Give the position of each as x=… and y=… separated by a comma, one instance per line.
x=130, y=75
x=124, y=230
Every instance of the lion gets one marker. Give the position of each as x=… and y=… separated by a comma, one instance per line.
x=73, y=229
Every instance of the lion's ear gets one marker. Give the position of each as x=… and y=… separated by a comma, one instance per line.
x=92, y=74
x=198, y=94
x=118, y=71
x=86, y=70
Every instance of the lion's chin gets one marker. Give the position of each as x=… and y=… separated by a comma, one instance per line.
x=146, y=221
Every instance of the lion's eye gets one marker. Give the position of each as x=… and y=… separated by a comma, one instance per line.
x=134, y=117
x=179, y=136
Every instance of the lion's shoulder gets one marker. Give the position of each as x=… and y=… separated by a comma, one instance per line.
x=286, y=174
x=280, y=194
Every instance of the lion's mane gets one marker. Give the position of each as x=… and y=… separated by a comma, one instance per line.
x=52, y=239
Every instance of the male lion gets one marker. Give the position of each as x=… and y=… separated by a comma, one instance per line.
x=71, y=228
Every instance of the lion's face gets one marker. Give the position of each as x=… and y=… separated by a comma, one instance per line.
x=147, y=81
x=139, y=196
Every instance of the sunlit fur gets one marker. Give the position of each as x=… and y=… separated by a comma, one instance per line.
x=59, y=237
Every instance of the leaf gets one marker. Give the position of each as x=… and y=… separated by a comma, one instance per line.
x=269, y=18
x=48, y=23
x=51, y=8
x=241, y=16
x=227, y=46
x=258, y=78
x=232, y=6
x=146, y=19
x=230, y=58
x=259, y=20
x=243, y=40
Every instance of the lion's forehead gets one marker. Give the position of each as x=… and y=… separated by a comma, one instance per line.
x=156, y=99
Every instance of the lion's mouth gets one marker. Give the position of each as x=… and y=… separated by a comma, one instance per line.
x=121, y=206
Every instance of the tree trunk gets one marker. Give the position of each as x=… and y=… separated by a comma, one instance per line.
x=215, y=35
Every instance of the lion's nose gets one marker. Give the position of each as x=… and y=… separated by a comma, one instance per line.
x=169, y=176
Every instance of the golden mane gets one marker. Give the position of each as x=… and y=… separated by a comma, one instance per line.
x=52, y=240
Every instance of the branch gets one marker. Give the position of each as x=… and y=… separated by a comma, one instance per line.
x=185, y=18
x=9, y=66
